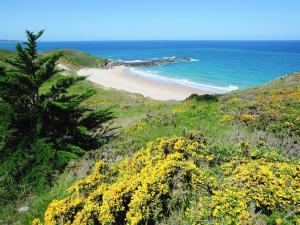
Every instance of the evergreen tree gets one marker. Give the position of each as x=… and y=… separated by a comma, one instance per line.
x=55, y=116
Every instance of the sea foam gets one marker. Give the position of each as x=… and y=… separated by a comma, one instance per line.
x=204, y=87
x=133, y=61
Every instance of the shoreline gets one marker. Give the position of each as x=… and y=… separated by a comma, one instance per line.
x=121, y=78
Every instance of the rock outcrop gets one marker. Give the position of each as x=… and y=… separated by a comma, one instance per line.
x=154, y=62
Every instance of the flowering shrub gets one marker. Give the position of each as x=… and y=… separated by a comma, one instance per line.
x=135, y=190
x=251, y=187
x=178, y=110
x=235, y=99
x=227, y=119
x=139, y=126
x=273, y=108
x=231, y=186
x=244, y=145
x=288, y=124
x=247, y=118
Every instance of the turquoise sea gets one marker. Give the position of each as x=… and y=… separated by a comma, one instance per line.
x=217, y=66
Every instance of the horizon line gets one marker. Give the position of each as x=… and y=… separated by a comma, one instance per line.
x=170, y=40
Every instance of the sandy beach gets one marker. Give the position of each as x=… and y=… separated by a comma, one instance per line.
x=122, y=78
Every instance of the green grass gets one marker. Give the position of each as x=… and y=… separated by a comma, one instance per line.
x=6, y=53
x=37, y=202
x=79, y=59
x=72, y=58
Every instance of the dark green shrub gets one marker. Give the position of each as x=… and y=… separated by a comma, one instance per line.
x=203, y=98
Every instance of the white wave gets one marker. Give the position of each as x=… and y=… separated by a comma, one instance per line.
x=133, y=61
x=169, y=57
x=185, y=82
x=139, y=60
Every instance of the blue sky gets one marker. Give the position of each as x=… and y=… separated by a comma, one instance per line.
x=152, y=19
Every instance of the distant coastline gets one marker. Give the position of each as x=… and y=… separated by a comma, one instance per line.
x=9, y=40
x=241, y=64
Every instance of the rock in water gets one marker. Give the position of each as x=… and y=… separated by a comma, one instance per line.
x=155, y=62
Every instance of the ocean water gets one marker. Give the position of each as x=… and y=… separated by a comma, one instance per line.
x=217, y=66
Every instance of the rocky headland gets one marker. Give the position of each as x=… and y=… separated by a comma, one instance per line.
x=142, y=63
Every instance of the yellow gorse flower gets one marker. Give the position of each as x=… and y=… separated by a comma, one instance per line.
x=135, y=190
x=247, y=117
x=235, y=99
x=226, y=118
x=140, y=181
x=288, y=124
x=178, y=110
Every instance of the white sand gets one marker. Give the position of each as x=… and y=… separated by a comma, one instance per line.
x=121, y=78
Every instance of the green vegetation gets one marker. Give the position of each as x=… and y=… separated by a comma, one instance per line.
x=6, y=53
x=187, y=177
x=225, y=159
x=272, y=109
x=73, y=59
x=77, y=59
x=203, y=98
x=43, y=126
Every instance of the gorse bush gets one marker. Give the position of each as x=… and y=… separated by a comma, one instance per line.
x=203, y=183
x=136, y=190
x=252, y=188
x=273, y=108
x=38, y=118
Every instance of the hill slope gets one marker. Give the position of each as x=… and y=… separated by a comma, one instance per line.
x=184, y=162
x=71, y=58
x=230, y=161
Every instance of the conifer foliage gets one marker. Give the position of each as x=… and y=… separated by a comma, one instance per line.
x=55, y=116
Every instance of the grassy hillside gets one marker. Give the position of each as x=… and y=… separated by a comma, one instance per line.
x=72, y=58
x=271, y=109
x=6, y=53
x=227, y=159
x=79, y=59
